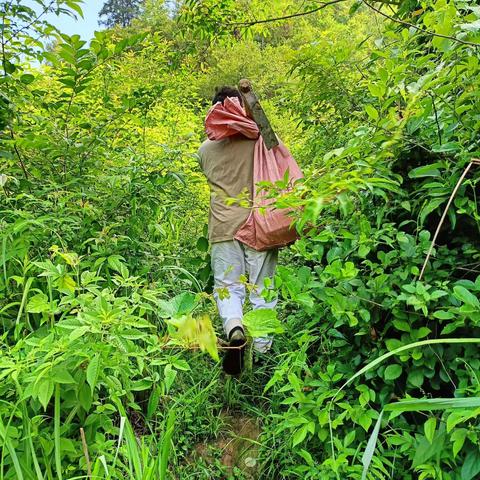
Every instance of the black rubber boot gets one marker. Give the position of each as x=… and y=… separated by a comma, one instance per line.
x=233, y=359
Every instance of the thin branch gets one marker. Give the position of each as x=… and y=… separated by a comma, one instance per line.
x=26, y=27
x=286, y=17
x=474, y=161
x=469, y=270
x=415, y=27
x=17, y=152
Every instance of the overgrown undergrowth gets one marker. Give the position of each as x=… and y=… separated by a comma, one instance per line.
x=108, y=362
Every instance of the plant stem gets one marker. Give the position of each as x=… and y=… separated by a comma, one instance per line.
x=57, y=439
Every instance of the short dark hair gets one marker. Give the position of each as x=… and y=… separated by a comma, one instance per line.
x=221, y=93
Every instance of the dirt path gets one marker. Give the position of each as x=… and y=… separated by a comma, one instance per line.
x=238, y=445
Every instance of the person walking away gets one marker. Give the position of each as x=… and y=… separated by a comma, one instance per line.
x=228, y=167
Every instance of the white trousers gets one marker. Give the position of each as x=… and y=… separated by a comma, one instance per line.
x=232, y=262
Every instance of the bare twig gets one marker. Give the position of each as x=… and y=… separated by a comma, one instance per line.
x=474, y=161
x=85, y=453
x=469, y=270
x=286, y=17
x=415, y=27
x=26, y=27
x=17, y=152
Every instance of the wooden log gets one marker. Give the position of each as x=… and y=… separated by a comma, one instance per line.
x=256, y=112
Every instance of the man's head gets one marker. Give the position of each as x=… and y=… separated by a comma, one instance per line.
x=221, y=93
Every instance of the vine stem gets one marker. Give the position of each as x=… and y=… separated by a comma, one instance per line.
x=286, y=17
x=419, y=29
x=474, y=161
x=56, y=429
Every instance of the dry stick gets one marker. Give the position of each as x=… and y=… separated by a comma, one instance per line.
x=415, y=27
x=85, y=452
x=450, y=200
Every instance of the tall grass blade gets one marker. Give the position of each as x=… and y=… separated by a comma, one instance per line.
x=370, y=448
x=28, y=284
x=133, y=453
x=104, y=463
x=430, y=404
x=13, y=454
x=379, y=360
x=120, y=438
x=29, y=443
x=413, y=405
x=186, y=273
x=166, y=445
x=422, y=343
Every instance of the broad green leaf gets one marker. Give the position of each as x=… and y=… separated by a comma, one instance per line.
x=153, y=402
x=27, y=78
x=60, y=374
x=78, y=332
x=416, y=377
x=177, y=306
x=299, y=435
x=458, y=437
x=45, y=392
x=429, y=428
x=169, y=376
x=75, y=5
x=202, y=244
x=431, y=170
x=365, y=421
x=115, y=262
x=85, y=397
x=141, y=385
x=466, y=296
x=66, y=284
x=38, y=303
x=262, y=322
x=444, y=314
x=372, y=112
x=93, y=371
x=401, y=325
x=392, y=372
x=471, y=465
x=424, y=450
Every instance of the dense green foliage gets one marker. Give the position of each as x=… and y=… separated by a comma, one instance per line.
x=105, y=285
x=119, y=12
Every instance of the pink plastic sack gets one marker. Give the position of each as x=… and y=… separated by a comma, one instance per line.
x=269, y=228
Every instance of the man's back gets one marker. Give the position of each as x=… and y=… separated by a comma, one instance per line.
x=228, y=166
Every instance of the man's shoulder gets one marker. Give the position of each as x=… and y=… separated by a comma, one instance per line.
x=206, y=145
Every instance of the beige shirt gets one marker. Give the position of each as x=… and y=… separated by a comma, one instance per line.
x=228, y=166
